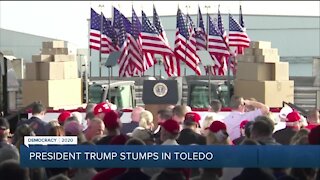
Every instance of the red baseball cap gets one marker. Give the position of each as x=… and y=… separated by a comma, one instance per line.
x=111, y=119
x=192, y=116
x=100, y=108
x=243, y=124
x=294, y=116
x=217, y=126
x=171, y=126
x=64, y=116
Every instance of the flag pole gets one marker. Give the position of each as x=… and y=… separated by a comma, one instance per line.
x=86, y=62
x=101, y=24
x=185, y=55
x=207, y=24
x=208, y=67
x=228, y=68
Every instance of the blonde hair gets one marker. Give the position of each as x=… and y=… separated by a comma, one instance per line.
x=213, y=140
x=146, y=119
x=53, y=123
x=272, y=117
x=207, y=122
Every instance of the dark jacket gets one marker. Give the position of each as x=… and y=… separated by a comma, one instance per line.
x=105, y=140
x=39, y=127
x=188, y=136
x=128, y=127
x=157, y=135
x=254, y=173
x=284, y=136
x=239, y=140
x=267, y=141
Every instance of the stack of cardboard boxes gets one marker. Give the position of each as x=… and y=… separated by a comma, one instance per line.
x=52, y=77
x=261, y=75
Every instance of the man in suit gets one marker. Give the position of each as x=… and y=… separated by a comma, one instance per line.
x=135, y=118
x=189, y=133
x=284, y=136
x=36, y=122
x=162, y=116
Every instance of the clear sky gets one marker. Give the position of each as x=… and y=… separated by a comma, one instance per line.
x=67, y=20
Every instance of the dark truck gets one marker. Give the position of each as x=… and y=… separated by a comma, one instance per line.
x=201, y=92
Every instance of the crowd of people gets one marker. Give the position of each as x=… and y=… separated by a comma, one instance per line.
x=249, y=123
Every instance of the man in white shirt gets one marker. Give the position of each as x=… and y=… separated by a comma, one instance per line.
x=238, y=114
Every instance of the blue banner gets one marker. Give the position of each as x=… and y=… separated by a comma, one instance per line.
x=169, y=156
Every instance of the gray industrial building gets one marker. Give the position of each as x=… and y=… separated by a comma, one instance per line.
x=21, y=45
x=296, y=37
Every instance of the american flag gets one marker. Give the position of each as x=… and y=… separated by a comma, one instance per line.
x=201, y=36
x=108, y=37
x=237, y=35
x=171, y=64
x=212, y=70
x=190, y=24
x=152, y=42
x=225, y=38
x=221, y=28
x=135, y=46
x=237, y=38
x=240, y=49
x=217, y=48
x=116, y=23
x=185, y=44
x=95, y=29
x=124, y=64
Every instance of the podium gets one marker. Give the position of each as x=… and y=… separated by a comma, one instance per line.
x=160, y=94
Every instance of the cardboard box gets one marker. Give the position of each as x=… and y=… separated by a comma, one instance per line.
x=260, y=44
x=271, y=93
x=246, y=58
x=53, y=44
x=70, y=69
x=53, y=93
x=267, y=58
x=263, y=71
x=281, y=71
x=54, y=51
x=42, y=58
x=248, y=51
x=32, y=71
x=63, y=58
x=266, y=52
x=255, y=71
x=58, y=70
